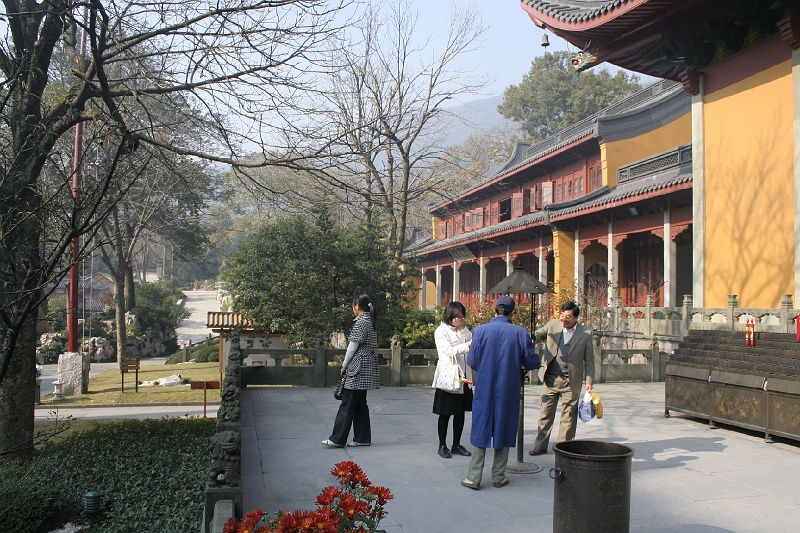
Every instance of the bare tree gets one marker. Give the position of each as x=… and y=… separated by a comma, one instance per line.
x=166, y=199
x=381, y=119
x=237, y=60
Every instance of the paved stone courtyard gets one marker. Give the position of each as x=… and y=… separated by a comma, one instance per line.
x=686, y=477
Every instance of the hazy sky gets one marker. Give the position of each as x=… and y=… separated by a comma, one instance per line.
x=510, y=44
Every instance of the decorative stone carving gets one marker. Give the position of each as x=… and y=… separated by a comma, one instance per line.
x=225, y=469
x=230, y=409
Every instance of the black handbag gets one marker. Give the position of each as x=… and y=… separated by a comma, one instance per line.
x=337, y=392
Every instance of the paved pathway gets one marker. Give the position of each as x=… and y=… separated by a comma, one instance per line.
x=135, y=411
x=199, y=303
x=686, y=478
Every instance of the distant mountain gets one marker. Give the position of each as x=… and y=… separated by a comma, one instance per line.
x=479, y=116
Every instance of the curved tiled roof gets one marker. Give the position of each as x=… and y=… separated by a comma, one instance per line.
x=638, y=100
x=596, y=199
x=539, y=216
x=574, y=10
x=525, y=154
x=626, y=190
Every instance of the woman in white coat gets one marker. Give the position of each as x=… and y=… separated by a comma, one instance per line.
x=452, y=342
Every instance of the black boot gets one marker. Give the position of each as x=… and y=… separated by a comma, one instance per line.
x=444, y=452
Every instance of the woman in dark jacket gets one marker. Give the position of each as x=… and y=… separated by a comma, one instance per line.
x=361, y=368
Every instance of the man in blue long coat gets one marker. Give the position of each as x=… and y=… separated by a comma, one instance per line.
x=498, y=352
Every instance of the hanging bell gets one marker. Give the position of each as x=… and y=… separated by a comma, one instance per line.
x=545, y=41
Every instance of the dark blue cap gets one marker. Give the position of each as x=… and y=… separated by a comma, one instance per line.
x=507, y=302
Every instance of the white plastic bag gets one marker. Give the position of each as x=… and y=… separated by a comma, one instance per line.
x=586, y=408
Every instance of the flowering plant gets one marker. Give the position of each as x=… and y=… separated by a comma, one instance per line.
x=355, y=506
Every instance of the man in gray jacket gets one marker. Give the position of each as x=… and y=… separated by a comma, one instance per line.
x=568, y=354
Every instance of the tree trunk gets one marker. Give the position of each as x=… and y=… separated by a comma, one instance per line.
x=130, y=288
x=17, y=395
x=21, y=258
x=119, y=297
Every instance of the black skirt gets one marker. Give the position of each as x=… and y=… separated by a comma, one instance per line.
x=448, y=403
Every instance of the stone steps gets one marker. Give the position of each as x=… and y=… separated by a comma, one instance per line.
x=775, y=354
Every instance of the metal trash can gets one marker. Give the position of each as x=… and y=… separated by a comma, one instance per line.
x=592, y=487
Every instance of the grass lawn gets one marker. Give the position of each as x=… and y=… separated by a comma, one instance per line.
x=106, y=388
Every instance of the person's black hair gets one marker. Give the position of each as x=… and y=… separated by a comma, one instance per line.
x=453, y=310
x=503, y=310
x=571, y=306
x=365, y=304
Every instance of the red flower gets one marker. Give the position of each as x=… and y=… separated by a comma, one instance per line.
x=329, y=514
x=306, y=520
x=342, y=470
x=230, y=526
x=358, y=476
x=248, y=523
x=324, y=521
x=289, y=523
x=328, y=495
x=383, y=494
x=350, y=506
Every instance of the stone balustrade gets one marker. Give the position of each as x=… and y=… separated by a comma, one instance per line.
x=673, y=323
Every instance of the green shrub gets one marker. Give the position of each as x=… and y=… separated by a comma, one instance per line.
x=156, y=306
x=92, y=329
x=50, y=355
x=420, y=327
x=150, y=473
x=57, y=312
x=207, y=354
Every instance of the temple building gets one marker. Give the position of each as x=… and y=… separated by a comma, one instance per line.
x=689, y=187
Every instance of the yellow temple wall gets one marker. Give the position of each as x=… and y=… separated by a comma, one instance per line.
x=563, y=259
x=749, y=194
x=619, y=153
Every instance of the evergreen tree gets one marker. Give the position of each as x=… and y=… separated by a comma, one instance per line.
x=553, y=96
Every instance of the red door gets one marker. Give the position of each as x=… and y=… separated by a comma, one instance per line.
x=470, y=292
x=644, y=274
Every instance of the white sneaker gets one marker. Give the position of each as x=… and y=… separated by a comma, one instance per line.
x=354, y=443
x=330, y=444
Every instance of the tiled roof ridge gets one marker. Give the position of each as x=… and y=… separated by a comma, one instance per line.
x=574, y=10
x=582, y=128
x=641, y=98
x=592, y=200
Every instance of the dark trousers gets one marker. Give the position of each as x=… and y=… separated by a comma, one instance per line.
x=353, y=412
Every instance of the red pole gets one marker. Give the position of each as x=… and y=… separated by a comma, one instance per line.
x=77, y=181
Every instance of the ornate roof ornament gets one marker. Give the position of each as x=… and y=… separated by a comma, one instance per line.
x=586, y=58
